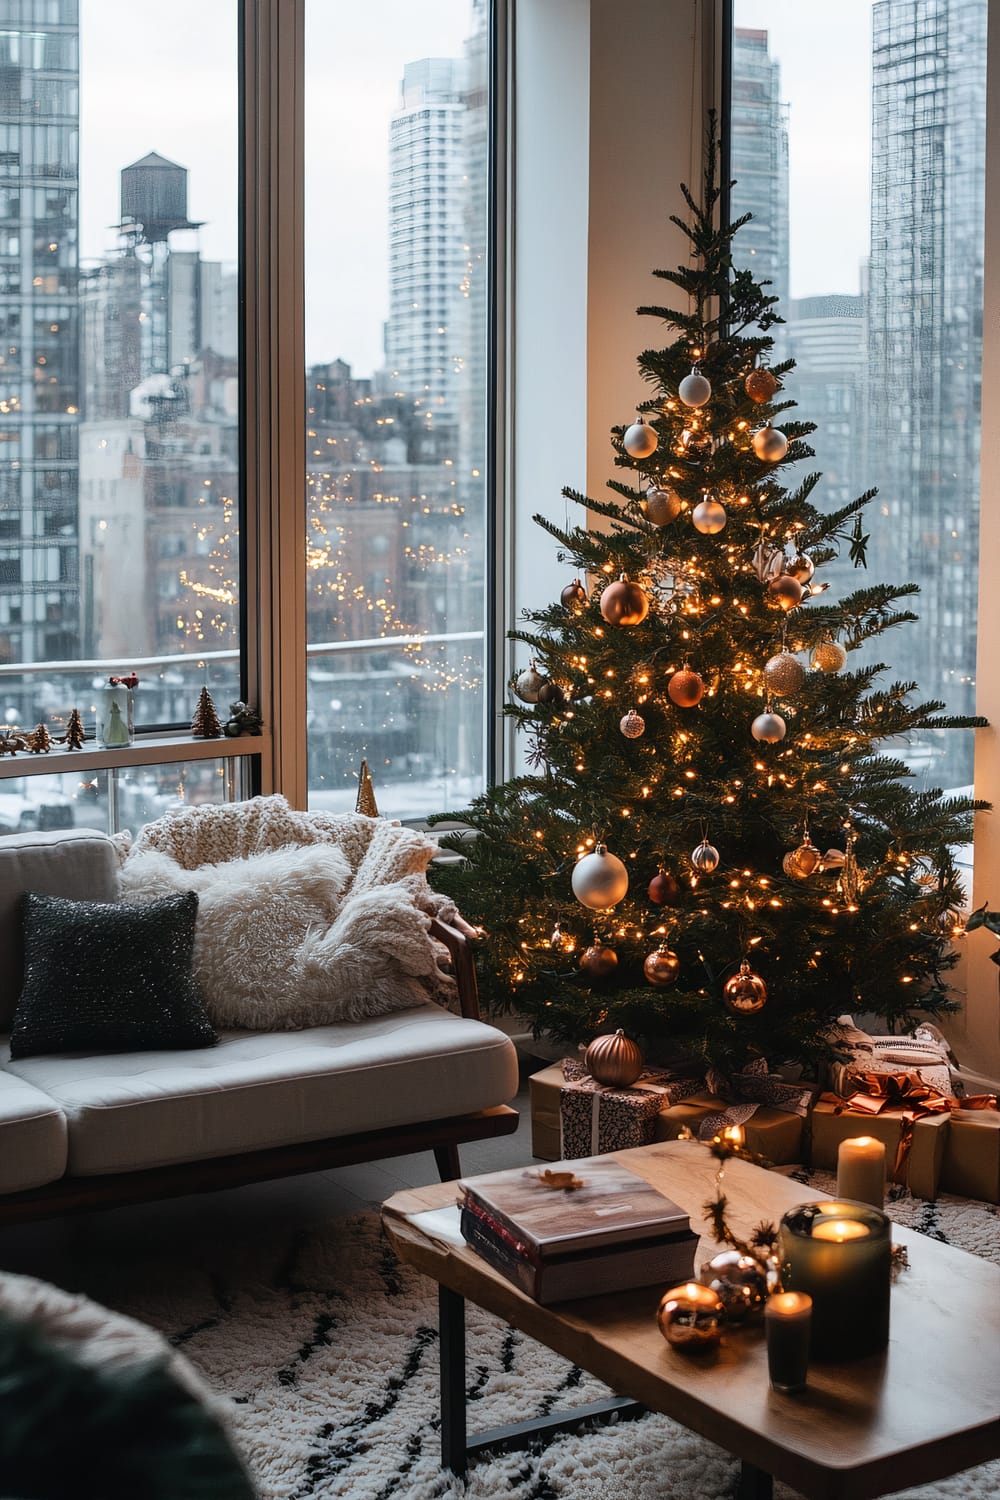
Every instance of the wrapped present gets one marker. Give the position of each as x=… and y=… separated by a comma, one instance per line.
x=546, y=1088
x=925, y=1056
x=774, y=1133
x=914, y=1144
x=972, y=1154
x=595, y=1118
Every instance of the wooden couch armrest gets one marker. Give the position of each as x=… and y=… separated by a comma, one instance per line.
x=463, y=965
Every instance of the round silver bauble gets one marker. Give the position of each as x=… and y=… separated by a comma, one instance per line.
x=768, y=727
x=695, y=389
x=599, y=880
x=770, y=444
x=640, y=439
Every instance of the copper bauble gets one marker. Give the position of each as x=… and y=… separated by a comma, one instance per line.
x=695, y=389
x=613, y=1060
x=632, y=725
x=598, y=961
x=695, y=446
x=685, y=688
x=746, y=992
x=573, y=595
x=660, y=507
x=705, y=858
x=599, y=880
x=785, y=591
x=803, y=861
x=760, y=385
x=690, y=1317
x=801, y=566
x=784, y=673
x=624, y=603
x=739, y=1281
x=551, y=692
x=768, y=728
x=770, y=444
x=661, y=967
x=640, y=439
x=709, y=517
x=529, y=683
x=664, y=890
x=830, y=656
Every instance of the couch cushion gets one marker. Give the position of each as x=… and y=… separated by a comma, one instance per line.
x=77, y=863
x=34, y=1136
x=260, y=1089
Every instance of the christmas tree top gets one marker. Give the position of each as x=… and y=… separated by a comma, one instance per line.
x=711, y=850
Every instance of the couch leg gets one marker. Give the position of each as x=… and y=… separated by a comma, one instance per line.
x=448, y=1164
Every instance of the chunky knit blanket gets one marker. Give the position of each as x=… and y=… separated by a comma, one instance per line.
x=304, y=918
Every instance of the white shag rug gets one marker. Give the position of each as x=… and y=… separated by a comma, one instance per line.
x=328, y=1349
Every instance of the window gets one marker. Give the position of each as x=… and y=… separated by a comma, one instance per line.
x=858, y=142
x=396, y=320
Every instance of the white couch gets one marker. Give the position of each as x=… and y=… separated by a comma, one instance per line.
x=82, y=1131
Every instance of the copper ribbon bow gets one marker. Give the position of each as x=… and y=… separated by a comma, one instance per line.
x=902, y=1092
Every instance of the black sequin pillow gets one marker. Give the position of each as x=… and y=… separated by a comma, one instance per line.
x=104, y=978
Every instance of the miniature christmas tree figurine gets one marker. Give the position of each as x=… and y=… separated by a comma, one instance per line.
x=39, y=741
x=709, y=823
x=205, y=724
x=74, y=736
x=366, y=803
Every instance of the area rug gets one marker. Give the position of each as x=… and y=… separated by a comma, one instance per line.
x=327, y=1348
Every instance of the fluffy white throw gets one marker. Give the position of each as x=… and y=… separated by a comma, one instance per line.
x=303, y=918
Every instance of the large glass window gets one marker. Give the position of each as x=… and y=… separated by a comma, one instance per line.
x=396, y=335
x=858, y=143
x=119, y=437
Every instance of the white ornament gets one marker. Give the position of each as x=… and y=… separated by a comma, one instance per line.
x=529, y=683
x=709, y=517
x=640, y=439
x=600, y=880
x=633, y=725
x=768, y=727
x=695, y=389
x=770, y=444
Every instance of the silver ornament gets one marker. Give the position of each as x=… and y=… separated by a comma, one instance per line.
x=784, y=673
x=768, y=727
x=770, y=444
x=705, y=858
x=599, y=880
x=695, y=389
x=632, y=725
x=640, y=439
x=709, y=517
x=739, y=1281
x=529, y=684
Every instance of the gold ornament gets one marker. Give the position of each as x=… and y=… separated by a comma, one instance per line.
x=613, y=1060
x=760, y=386
x=695, y=446
x=661, y=967
x=660, y=507
x=624, y=603
x=690, y=1317
x=709, y=517
x=705, y=858
x=664, y=889
x=785, y=591
x=804, y=861
x=640, y=439
x=746, y=992
x=851, y=881
x=573, y=595
x=632, y=725
x=685, y=688
x=784, y=673
x=830, y=656
x=801, y=566
x=770, y=444
x=598, y=961
x=366, y=804
x=739, y=1281
x=599, y=880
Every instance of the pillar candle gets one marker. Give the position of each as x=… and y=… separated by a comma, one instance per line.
x=861, y=1170
x=840, y=1254
x=787, y=1316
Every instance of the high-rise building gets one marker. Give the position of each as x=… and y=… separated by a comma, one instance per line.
x=39, y=192
x=759, y=165
x=925, y=338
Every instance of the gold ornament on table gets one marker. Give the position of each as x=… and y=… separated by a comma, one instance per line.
x=760, y=385
x=614, y=1060
x=632, y=725
x=661, y=506
x=746, y=992
x=829, y=656
x=598, y=961
x=686, y=688
x=661, y=967
x=366, y=804
x=784, y=674
x=599, y=879
x=624, y=603
x=573, y=596
x=205, y=724
x=690, y=1318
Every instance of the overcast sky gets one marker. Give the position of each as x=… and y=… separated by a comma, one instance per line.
x=180, y=98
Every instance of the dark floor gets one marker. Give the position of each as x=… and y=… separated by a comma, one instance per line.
x=64, y=1250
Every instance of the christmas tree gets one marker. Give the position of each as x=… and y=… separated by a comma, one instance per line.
x=714, y=848
x=205, y=724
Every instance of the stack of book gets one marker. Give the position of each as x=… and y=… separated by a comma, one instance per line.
x=606, y=1230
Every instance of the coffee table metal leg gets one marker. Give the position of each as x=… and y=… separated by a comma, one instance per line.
x=754, y=1484
x=451, y=1325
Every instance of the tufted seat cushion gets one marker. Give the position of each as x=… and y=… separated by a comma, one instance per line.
x=33, y=1129
x=256, y=1090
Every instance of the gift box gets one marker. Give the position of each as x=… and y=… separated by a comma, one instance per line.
x=972, y=1155
x=774, y=1133
x=544, y=1089
x=595, y=1119
x=831, y=1123
x=626, y=1117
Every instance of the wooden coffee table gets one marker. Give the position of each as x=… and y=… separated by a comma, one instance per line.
x=926, y=1407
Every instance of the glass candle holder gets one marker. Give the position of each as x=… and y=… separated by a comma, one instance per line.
x=116, y=715
x=787, y=1320
x=840, y=1254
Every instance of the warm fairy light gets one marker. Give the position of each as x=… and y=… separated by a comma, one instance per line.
x=539, y=834
x=906, y=978
x=690, y=775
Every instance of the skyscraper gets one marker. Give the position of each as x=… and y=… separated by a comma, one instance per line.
x=39, y=192
x=759, y=163
x=925, y=338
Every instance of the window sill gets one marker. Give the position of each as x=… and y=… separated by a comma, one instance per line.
x=153, y=749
